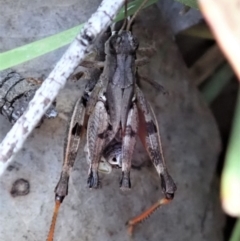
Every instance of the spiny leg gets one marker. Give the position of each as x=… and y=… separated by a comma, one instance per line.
x=150, y=137
x=96, y=135
x=76, y=127
x=128, y=145
x=148, y=51
x=138, y=219
x=75, y=132
x=99, y=50
x=142, y=61
x=70, y=152
x=93, y=64
x=153, y=83
x=156, y=85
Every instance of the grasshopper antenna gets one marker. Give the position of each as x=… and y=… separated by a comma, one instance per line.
x=135, y=14
x=54, y=219
x=125, y=17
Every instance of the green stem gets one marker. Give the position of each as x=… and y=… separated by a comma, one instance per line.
x=217, y=82
x=230, y=182
x=235, y=236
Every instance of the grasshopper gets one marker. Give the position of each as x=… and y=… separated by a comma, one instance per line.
x=112, y=112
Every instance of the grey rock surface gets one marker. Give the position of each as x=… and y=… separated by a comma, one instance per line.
x=177, y=20
x=190, y=142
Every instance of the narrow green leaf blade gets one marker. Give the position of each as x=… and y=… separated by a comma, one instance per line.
x=35, y=49
x=190, y=3
x=230, y=182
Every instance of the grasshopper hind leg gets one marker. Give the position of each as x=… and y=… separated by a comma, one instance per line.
x=93, y=179
x=72, y=142
x=150, y=137
x=97, y=131
x=128, y=146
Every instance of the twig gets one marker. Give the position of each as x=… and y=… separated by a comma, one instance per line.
x=199, y=30
x=206, y=65
x=45, y=95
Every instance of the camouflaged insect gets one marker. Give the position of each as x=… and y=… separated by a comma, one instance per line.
x=109, y=116
x=15, y=94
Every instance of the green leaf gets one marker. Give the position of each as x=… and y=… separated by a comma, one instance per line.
x=215, y=84
x=235, y=236
x=230, y=182
x=190, y=3
x=35, y=49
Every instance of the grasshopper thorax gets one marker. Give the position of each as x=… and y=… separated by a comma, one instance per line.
x=124, y=43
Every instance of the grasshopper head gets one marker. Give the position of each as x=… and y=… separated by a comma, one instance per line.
x=123, y=43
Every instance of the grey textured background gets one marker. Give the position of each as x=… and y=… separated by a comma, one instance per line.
x=190, y=138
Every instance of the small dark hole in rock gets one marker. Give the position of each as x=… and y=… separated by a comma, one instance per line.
x=20, y=187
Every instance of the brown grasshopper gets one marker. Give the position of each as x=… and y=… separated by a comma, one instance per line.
x=113, y=111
